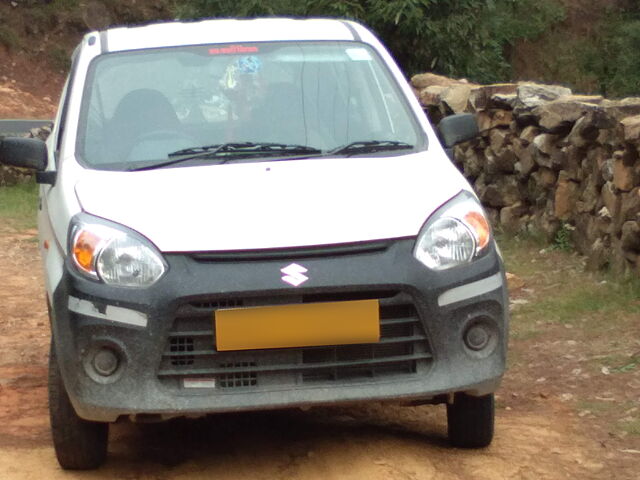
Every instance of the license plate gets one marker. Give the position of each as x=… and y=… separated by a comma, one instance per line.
x=300, y=325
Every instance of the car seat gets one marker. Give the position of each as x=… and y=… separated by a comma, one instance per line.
x=140, y=112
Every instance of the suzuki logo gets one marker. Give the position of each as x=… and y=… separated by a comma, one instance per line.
x=294, y=274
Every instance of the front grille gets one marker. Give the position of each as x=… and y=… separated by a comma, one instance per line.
x=403, y=349
x=178, y=347
x=245, y=377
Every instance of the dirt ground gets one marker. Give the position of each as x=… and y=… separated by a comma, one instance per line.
x=539, y=435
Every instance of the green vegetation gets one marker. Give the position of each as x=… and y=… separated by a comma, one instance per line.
x=632, y=426
x=18, y=205
x=589, y=303
x=564, y=295
x=562, y=240
x=611, y=58
x=9, y=38
x=461, y=38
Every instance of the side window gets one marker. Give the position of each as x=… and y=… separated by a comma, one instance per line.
x=65, y=100
x=58, y=120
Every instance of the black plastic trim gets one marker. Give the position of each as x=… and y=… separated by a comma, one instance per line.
x=293, y=253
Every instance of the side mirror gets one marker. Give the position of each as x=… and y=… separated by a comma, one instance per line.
x=24, y=152
x=458, y=128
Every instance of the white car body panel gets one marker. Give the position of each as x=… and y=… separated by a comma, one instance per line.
x=274, y=204
x=225, y=31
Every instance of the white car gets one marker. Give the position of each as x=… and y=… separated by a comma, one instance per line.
x=256, y=214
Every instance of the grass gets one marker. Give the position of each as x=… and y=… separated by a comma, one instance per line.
x=18, y=205
x=9, y=38
x=564, y=293
x=597, y=312
x=590, y=304
x=631, y=427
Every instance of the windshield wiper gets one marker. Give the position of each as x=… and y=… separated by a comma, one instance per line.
x=370, y=146
x=225, y=152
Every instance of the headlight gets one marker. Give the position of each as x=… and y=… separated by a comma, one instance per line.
x=454, y=235
x=115, y=256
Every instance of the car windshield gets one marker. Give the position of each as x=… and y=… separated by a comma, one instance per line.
x=142, y=106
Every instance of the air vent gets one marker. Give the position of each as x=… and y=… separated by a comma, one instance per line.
x=178, y=347
x=217, y=304
x=238, y=379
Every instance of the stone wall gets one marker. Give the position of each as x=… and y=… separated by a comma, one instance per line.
x=11, y=175
x=548, y=160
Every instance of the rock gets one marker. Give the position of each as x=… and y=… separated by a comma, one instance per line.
x=611, y=200
x=630, y=206
x=531, y=95
x=484, y=121
x=620, y=109
x=572, y=156
x=545, y=224
x=506, y=160
x=456, y=97
x=488, y=119
x=501, y=192
x=529, y=134
x=537, y=192
x=582, y=134
x=546, y=143
x=565, y=197
x=624, y=177
x=547, y=177
x=606, y=170
x=630, y=239
x=481, y=97
x=493, y=215
x=560, y=115
x=472, y=164
x=501, y=118
x=598, y=256
x=498, y=139
x=595, y=159
x=589, y=196
x=431, y=95
x=525, y=158
x=424, y=80
x=504, y=101
x=631, y=126
x=514, y=282
x=511, y=218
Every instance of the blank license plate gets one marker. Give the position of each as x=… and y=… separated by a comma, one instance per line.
x=300, y=325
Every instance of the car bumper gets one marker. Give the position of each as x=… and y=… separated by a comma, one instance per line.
x=164, y=336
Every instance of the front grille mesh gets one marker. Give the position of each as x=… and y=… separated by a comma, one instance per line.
x=403, y=349
x=245, y=378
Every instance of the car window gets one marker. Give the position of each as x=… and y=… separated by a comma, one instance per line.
x=141, y=106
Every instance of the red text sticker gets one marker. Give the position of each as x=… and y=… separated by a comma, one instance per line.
x=232, y=50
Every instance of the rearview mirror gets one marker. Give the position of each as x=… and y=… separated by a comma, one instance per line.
x=458, y=128
x=24, y=152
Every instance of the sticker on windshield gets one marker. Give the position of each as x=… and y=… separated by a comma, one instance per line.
x=232, y=50
x=358, y=54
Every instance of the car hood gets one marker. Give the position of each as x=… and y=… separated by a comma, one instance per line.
x=265, y=205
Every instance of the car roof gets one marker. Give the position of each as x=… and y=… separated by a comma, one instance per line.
x=226, y=31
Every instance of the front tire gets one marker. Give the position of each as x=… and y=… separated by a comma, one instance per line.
x=471, y=421
x=79, y=444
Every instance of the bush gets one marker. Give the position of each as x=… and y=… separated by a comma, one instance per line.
x=612, y=58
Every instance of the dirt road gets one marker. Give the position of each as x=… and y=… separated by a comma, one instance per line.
x=536, y=438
